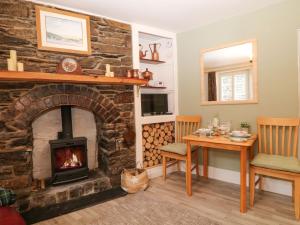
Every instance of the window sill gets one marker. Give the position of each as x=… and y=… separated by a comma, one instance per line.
x=254, y=101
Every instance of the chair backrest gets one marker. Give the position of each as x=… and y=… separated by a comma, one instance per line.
x=278, y=136
x=186, y=125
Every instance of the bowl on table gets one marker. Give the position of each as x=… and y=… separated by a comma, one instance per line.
x=203, y=131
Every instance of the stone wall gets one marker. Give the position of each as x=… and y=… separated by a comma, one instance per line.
x=110, y=42
x=22, y=102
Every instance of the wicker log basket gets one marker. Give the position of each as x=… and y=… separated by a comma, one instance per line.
x=134, y=180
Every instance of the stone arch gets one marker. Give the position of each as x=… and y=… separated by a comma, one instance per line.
x=44, y=98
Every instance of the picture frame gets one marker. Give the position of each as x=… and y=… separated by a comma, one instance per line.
x=62, y=31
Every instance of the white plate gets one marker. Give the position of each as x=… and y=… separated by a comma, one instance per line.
x=240, y=136
x=237, y=139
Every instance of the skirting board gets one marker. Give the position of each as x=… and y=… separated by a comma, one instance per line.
x=230, y=176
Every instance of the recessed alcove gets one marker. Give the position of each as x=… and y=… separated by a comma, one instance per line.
x=46, y=127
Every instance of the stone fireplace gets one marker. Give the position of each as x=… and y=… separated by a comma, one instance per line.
x=24, y=137
x=112, y=107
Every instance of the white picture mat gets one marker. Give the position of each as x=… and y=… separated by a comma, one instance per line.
x=43, y=15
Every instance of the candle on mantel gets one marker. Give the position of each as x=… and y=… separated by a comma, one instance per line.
x=11, y=66
x=107, y=68
x=107, y=72
x=20, y=67
x=13, y=56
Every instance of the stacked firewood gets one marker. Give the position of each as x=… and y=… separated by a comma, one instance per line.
x=154, y=136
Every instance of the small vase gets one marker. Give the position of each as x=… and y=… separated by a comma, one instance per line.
x=245, y=129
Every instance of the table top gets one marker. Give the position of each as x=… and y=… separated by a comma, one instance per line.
x=220, y=140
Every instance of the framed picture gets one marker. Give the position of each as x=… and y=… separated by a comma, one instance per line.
x=62, y=31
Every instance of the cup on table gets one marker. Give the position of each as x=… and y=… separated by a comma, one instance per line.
x=225, y=127
x=210, y=125
x=204, y=131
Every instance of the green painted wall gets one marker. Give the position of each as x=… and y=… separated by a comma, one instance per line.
x=275, y=29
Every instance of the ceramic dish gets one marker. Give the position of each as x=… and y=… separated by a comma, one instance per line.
x=202, y=131
x=238, y=139
x=240, y=134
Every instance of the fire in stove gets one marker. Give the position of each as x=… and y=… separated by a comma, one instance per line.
x=72, y=162
x=69, y=157
x=69, y=160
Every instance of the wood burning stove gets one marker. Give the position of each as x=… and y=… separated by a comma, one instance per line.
x=68, y=154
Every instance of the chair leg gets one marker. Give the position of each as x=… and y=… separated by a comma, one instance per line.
x=164, y=166
x=186, y=176
x=297, y=198
x=178, y=165
x=252, y=186
x=261, y=183
x=197, y=163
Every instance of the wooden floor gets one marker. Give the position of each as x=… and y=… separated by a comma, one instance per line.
x=213, y=203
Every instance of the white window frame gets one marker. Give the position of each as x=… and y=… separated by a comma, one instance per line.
x=233, y=73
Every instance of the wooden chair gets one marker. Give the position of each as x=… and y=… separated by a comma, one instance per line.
x=185, y=125
x=277, y=155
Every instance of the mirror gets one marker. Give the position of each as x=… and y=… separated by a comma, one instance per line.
x=229, y=74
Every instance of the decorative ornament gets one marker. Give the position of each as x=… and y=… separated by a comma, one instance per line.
x=147, y=74
x=169, y=44
x=69, y=66
x=141, y=53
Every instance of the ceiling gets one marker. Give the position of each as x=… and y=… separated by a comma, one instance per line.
x=172, y=15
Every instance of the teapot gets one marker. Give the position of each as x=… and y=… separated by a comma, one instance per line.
x=147, y=74
x=154, y=52
x=142, y=55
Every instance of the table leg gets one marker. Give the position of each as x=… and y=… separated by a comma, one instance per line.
x=205, y=161
x=243, y=187
x=188, y=169
x=251, y=153
x=251, y=157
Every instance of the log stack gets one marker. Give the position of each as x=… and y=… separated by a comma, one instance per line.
x=154, y=136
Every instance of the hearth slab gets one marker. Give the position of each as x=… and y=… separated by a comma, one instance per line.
x=96, y=183
x=94, y=176
x=43, y=213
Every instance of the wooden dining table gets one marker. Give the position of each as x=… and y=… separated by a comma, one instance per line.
x=246, y=149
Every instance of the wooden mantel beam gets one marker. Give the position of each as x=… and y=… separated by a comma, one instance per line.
x=40, y=77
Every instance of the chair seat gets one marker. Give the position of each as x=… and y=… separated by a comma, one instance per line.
x=277, y=162
x=178, y=148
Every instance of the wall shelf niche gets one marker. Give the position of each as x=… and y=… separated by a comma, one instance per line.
x=164, y=73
